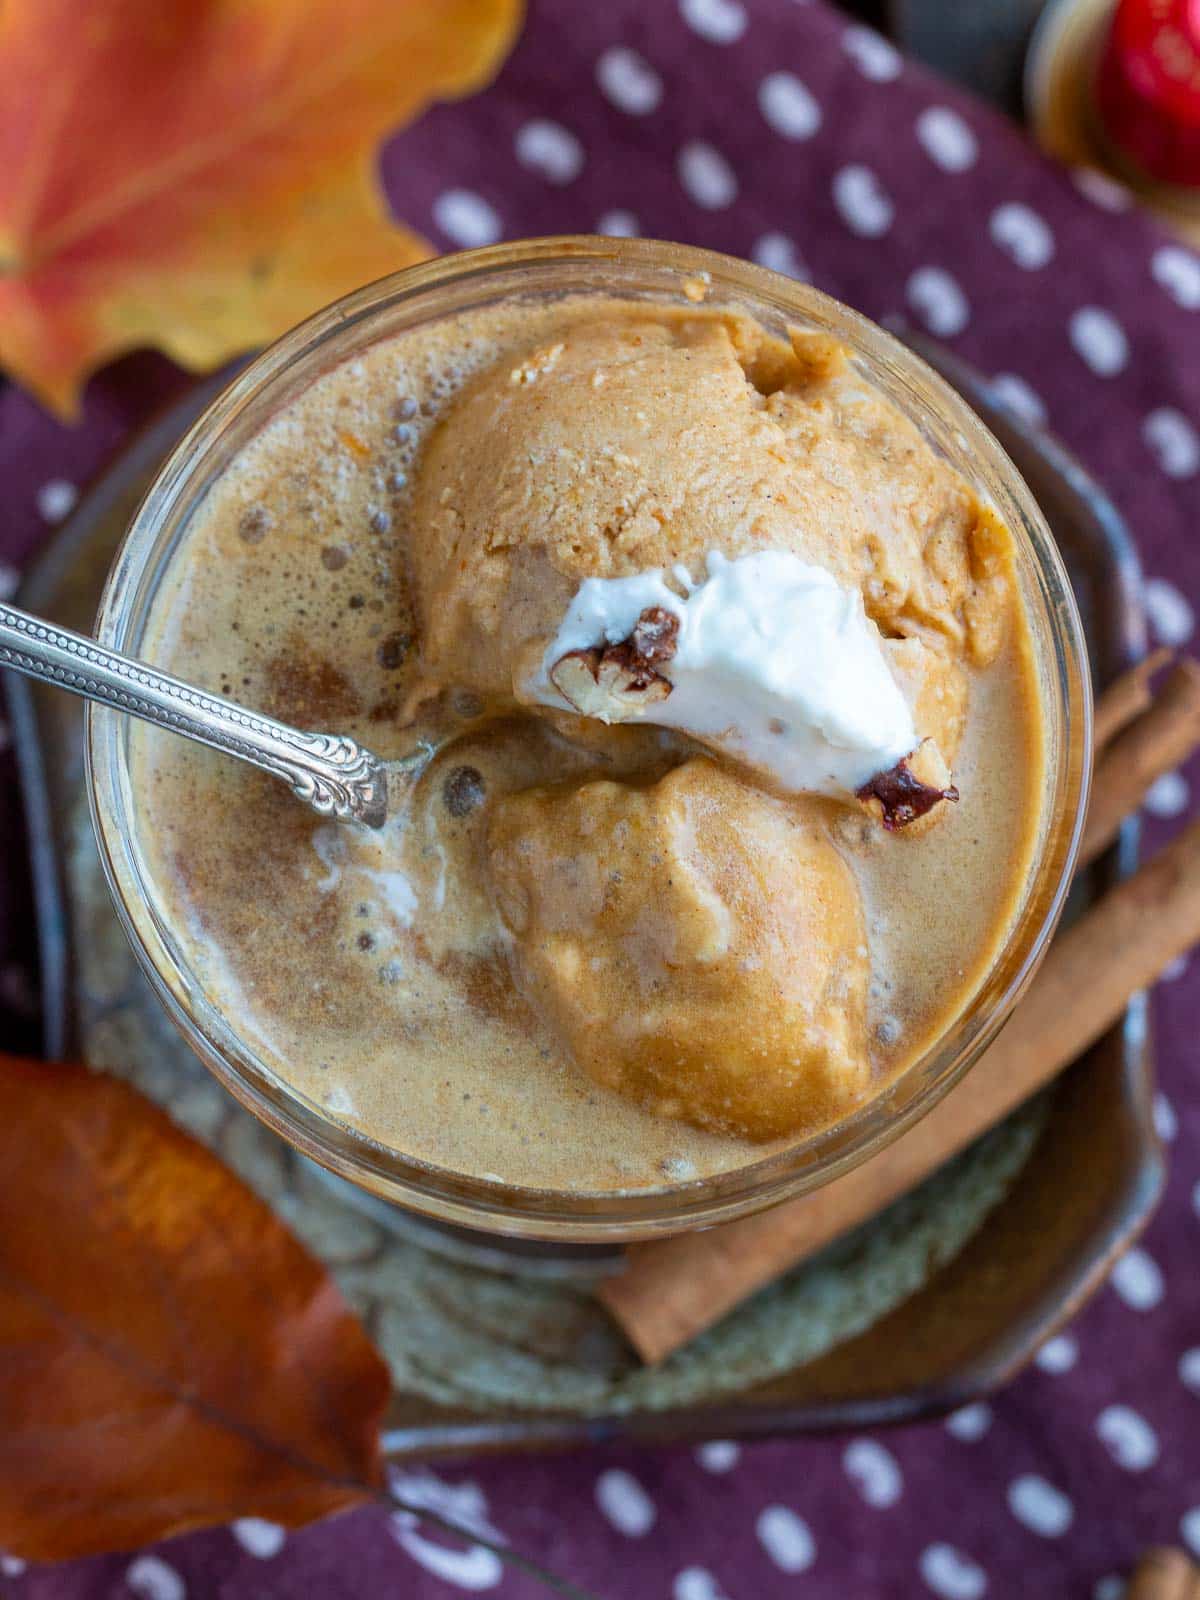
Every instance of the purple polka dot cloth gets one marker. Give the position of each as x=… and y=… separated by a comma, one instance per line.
x=774, y=129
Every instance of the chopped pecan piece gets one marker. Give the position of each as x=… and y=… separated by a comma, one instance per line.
x=655, y=635
x=911, y=789
x=619, y=682
x=609, y=684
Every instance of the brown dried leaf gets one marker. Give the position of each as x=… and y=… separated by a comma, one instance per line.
x=170, y=1357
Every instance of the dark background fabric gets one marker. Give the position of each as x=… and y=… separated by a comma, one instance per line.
x=773, y=129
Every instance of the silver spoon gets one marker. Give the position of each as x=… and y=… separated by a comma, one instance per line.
x=330, y=771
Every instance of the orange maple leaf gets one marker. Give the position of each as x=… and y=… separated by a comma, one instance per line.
x=198, y=174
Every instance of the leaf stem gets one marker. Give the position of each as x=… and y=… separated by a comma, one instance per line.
x=510, y=1558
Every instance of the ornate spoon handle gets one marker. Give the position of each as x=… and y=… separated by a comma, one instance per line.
x=330, y=771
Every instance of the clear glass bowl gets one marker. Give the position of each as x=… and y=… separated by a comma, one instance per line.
x=533, y=270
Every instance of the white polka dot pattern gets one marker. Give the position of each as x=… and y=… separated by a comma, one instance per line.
x=56, y=499
x=1137, y=1280
x=9, y=579
x=470, y=1567
x=1111, y=1587
x=1170, y=613
x=788, y=107
x=1023, y=235
x=697, y=1583
x=629, y=81
x=1189, y=1369
x=718, y=21
x=707, y=177
x=1168, y=795
x=777, y=251
x=151, y=1578
x=1178, y=271
x=1012, y=391
x=473, y=1568
x=862, y=202
x=950, y=1575
x=1189, y=1530
x=719, y=1455
x=1102, y=190
x=938, y=301
x=466, y=218
x=1039, y=1506
x=1172, y=441
x=625, y=1503
x=1100, y=340
x=971, y=1422
x=259, y=1538
x=619, y=225
x=947, y=139
x=1172, y=619
x=786, y=1538
x=874, y=57
x=1058, y=1355
x=874, y=1471
x=1130, y=1439
x=549, y=148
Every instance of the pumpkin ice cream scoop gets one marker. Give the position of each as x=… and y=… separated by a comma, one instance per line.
x=699, y=945
x=630, y=445
x=694, y=470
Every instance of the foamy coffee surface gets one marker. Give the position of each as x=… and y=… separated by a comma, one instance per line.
x=370, y=970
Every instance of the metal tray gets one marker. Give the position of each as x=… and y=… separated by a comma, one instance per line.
x=940, y=1299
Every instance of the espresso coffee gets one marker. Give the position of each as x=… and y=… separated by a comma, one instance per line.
x=577, y=956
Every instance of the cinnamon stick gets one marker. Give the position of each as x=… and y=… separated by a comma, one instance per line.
x=1128, y=696
x=1148, y=745
x=1165, y=1574
x=673, y=1289
x=1152, y=743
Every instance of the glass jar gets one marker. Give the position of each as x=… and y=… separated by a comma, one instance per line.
x=666, y=274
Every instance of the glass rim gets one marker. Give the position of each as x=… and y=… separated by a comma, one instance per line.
x=608, y=1216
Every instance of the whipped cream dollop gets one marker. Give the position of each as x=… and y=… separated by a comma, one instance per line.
x=774, y=663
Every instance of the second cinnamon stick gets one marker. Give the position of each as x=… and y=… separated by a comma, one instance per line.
x=1148, y=745
x=1127, y=697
